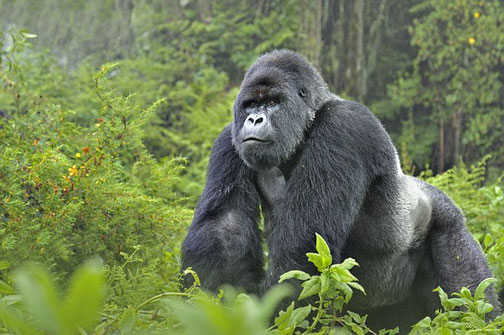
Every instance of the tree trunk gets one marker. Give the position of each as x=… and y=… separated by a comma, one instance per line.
x=457, y=126
x=312, y=31
x=360, y=66
x=441, y=145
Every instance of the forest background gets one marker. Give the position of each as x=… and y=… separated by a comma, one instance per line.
x=108, y=160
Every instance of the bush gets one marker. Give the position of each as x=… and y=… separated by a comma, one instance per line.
x=68, y=192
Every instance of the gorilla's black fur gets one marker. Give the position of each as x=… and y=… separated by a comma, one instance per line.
x=316, y=163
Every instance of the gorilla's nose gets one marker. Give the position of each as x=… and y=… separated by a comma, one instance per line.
x=255, y=121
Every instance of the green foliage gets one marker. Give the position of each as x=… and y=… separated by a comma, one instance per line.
x=333, y=287
x=455, y=79
x=228, y=313
x=453, y=319
x=86, y=170
x=72, y=314
x=69, y=192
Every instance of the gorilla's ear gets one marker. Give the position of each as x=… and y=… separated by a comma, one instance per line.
x=302, y=93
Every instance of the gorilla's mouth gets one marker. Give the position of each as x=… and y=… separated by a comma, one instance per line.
x=252, y=139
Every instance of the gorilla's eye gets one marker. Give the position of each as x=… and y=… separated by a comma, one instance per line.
x=271, y=103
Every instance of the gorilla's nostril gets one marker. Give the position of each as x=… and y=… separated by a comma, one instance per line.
x=250, y=119
x=259, y=120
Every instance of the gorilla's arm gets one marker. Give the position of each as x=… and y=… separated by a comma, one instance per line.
x=223, y=244
x=345, y=150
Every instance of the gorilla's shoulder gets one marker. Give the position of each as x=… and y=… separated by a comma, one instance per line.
x=350, y=128
x=347, y=116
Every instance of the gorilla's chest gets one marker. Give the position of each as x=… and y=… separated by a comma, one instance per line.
x=271, y=184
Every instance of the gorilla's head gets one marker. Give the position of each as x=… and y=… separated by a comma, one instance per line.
x=276, y=105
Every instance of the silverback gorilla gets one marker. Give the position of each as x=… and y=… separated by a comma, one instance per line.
x=312, y=162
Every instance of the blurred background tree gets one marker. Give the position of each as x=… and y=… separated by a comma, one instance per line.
x=431, y=70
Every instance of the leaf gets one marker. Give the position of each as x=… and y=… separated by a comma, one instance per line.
x=28, y=35
x=317, y=260
x=424, y=323
x=4, y=265
x=325, y=281
x=273, y=297
x=488, y=240
x=5, y=288
x=324, y=251
x=11, y=299
x=480, y=290
x=357, y=286
x=389, y=331
x=310, y=287
x=357, y=330
x=347, y=291
x=349, y=263
x=85, y=296
x=12, y=320
x=294, y=274
x=465, y=293
x=40, y=298
x=343, y=273
x=357, y=318
x=299, y=315
x=282, y=320
x=483, y=308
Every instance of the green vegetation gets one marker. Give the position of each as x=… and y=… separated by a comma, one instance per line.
x=107, y=161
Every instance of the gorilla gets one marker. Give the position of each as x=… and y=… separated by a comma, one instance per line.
x=307, y=161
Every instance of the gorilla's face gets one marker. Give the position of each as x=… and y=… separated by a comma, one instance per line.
x=270, y=118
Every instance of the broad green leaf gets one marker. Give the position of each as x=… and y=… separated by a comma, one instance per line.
x=324, y=251
x=424, y=323
x=282, y=320
x=5, y=288
x=317, y=260
x=483, y=308
x=85, y=296
x=294, y=274
x=480, y=290
x=357, y=318
x=273, y=297
x=299, y=314
x=349, y=263
x=343, y=273
x=357, y=286
x=335, y=276
x=357, y=330
x=465, y=293
x=11, y=299
x=488, y=240
x=310, y=287
x=12, y=320
x=325, y=281
x=347, y=291
x=455, y=325
x=40, y=298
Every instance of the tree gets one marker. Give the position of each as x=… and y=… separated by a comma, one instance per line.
x=455, y=82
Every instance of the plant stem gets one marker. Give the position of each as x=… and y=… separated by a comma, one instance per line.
x=317, y=317
x=159, y=296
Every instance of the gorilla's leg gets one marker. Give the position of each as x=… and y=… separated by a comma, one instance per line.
x=456, y=258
